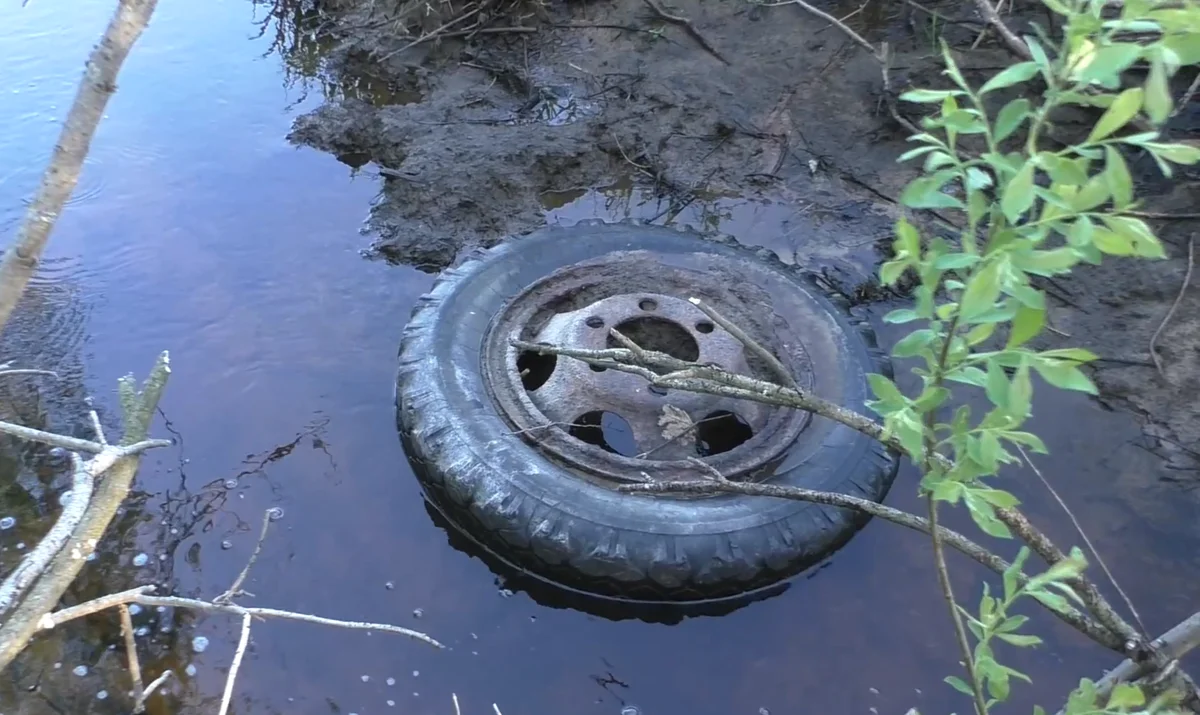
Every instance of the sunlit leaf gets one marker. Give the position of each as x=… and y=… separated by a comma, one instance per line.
x=1016, y=639
x=1018, y=193
x=996, y=387
x=912, y=344
x=1158, y=94
x=1010, y=117
x=1014, y=74
x=1026, y=324
x=1065, y=377
x=901, y=315
x=1124, y=108
x=929, y=96
x=1108, y=62
x=1126, y=695
x=1141, y=238
x=1120, y=183
x=1020, y=393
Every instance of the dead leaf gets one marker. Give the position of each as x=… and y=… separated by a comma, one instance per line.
x=674, y=422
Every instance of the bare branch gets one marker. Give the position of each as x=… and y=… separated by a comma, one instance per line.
x=139, y=705
x=1014, y=43
x=58, y=182
x=135, y=668
x=142, y=596
x=781, y=372
x=243, y=641
x=1079, y=621
x=1187, y=278
x=236, y=589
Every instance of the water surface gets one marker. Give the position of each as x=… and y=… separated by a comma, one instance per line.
x=198, y=229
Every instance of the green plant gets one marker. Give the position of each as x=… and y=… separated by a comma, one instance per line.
x=1026, y=211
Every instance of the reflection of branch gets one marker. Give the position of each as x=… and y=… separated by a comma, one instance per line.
x=243, y=641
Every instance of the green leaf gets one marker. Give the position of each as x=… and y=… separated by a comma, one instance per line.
x=1112, y=243
x=908, y=239
x=891, y=271
x=1010, y=118
x=1080, y=234
x=1047, y=263
x=1108, y=62
x=979, y=333
x=984, y=517
x=1012, y=574
x=1116, y=172
x=960, y=685
x=1011, y=623
x=1028, y=439
x=1066, y=569
x=1026, y=325
x=998, y=686
x=1014, y=74
x=1073, y=354
x=1124, y=108
x=1020, y=393
x=1039, y=55
x=901, y=316
x=1083, y=698
x=1126, y=695
x=953, y=261
x=929, y=96
x=952, y=70
x=1053, y=601
x=948, y=490
x=998, y=498
x=885, y=390
x=926, y=192
x=930, y=399
x=1018, y=194
x=997, y=385
x=1178, y=153
x=982, y=291
x=912, y=344
x=1141, y=238
x=914, y=153
x=1093, y=193
x=1065, y=376
x=1158, y=94
x=968, y=375
x=1019, y=640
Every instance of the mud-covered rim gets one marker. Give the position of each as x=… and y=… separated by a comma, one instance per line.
x=576, y=287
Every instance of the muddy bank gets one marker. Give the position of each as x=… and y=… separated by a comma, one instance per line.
x=481, y=138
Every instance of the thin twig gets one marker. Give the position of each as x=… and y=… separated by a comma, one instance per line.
x=99, y=429
x=1164, y=216
x=131, y=656
x=1186, y=99
x=141, y=596
x=243, y=641
x=784, y=375
x=27, y=371
x=236, y=589
x=960, y=632
x=687, y=25
x=140, y=704
x=1091, y=547
x=961, y=543
x=1014, y=43
x=432, y=34
x=831, y=19
x=1187, y=278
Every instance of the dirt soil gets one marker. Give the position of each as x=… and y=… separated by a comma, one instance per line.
x=479, y=139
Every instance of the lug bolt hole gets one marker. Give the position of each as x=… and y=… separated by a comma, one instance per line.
x=647, y=304
x=597, y=368
x=594, y=322
x=704, y=326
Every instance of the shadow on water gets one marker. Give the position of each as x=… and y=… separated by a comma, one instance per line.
x=211, y=236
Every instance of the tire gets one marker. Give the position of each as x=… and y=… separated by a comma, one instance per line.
x=535, y=515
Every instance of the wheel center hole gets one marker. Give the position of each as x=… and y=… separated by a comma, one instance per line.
x=659, y=335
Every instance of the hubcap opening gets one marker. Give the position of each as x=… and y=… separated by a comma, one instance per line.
x=721, y=431
x=607, y=430
x=535, y=368
x=659, y=335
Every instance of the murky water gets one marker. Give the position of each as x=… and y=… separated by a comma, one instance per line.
x=198, y=229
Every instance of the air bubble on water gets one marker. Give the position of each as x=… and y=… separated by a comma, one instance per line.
x=199, y=644
x=227, y=544
x=58, y=666
x=764, y=711
x=141, y=631
x=391, y=681
x=418, y=612
x=416, y=673
x=505, y=593
x=134, y=609
x=140, y=560
x=160, y=609
x=102, y=695
x=631, y=710
x=275, y=513
x=90, y=557
x=80, y=670
x=190, y=670
x=174, y=531
x=162, y=557
x=389, y=585
x=231, y=484
x=366, y=678
x=20, y=545
x=391, y=703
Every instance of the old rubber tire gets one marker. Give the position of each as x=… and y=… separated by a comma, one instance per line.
x=532, y=513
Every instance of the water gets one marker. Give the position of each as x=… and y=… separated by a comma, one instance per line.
x=198, y=229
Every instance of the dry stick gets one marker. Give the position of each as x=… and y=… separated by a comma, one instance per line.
x=27, y=371
x=99, y=83
x=1091, y=547
x=139, y=705
x=687, y=25
x=960, y=632
x=141, y=596
x=236, y=589
x=1187, y=278
x=831, y=19
x=135, y=668
x=1016, y=44
x=1172, y=645
x=243, y=641
x=784, y=375
x=431, y=34
x=138, y=408
x=713, y=380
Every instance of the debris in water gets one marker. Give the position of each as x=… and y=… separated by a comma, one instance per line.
x=391, y=703
x=366, y=678
x=418, y=612
x=275, y=513
x=505, y=593
x=227, y=545
x=102, y=695
x=140, y=560
x=416, y=673
x=80, y=670
x=631, y=710
x=190, y=670
x=199, y=644
x=389, y=585
x=231, y=484
x=134, y=609
x=7, y=523
x=391, y=681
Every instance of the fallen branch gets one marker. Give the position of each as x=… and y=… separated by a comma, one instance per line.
x=1077, y=620
x=687, y=25
x=138, y=409
x=1014, y=43
x=141, y=596
x=131, y=656
x=58, y=182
